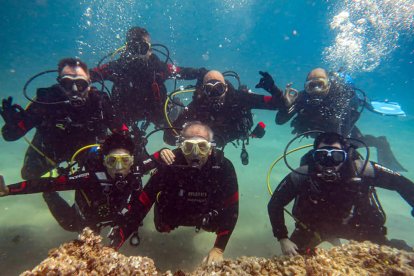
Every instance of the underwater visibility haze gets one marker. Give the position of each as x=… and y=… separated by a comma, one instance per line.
x=370, y=40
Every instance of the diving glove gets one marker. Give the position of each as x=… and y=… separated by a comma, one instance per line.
x=11, y=113
x=266, y=82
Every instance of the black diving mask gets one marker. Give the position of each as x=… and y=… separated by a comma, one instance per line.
x=214, y=89
x=140, y=48
x=73, y=83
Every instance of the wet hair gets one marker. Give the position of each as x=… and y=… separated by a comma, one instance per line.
x=118, y=141
x=187, y=125
x=136, y=34
x=72, y=62
x=329, y=138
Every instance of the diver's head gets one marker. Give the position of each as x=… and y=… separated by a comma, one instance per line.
x=138, y=44
x=214, y=88
x=329, y=155
x=196, y=143
x=118, y=150
x=317, y=83
x=74, y=79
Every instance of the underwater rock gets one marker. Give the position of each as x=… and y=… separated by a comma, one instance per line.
x=87, y=256
x=350, y=259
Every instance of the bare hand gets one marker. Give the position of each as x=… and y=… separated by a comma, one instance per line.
x=4, y=190
x=167, y=156
x=288, y=247
x=214, y=256
x=290, y=95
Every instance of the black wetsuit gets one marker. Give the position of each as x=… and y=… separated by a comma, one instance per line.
x=99, y=200
x=345, y=209
x=337, y=112
x=138, y=89
x=61, y=129
x=230, y=121
x=183, y=196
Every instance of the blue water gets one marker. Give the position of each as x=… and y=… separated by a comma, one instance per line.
x=285, y=38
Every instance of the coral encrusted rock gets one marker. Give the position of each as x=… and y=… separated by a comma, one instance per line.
x=87, y=256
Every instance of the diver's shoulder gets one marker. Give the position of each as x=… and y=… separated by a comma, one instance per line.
x=299, y=174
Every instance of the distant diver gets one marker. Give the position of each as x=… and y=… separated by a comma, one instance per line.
x=138, y=78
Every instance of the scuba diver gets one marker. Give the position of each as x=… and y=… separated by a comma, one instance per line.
x=331, y=103
x=105, y=195
x=67, y=116
x=138, y=77
x=334, y=197
x=198, y=189
x=226, y=110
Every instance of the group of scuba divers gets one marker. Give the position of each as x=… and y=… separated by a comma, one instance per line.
x=101, y=136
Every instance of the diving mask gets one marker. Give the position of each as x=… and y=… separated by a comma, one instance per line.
x=317, y=86
x=118, y=161
x=197, y=146
x=140, y=48
x=214, y=88
x=74, y=83
x=329, y=157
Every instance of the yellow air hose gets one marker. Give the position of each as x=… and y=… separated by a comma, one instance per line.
x=118, y=50
x=53, y=163
x=72, y=159
x=316, y=234
x=166, y=106
x=277, y=161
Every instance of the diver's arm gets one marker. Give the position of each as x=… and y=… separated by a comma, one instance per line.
x=62, y=183
x=286, y=112
x=388, y=179
x=230, y=206
x=104, y=72
x=147, y=197
x=13, y=132
x=281, y=197
x=257, y=101
x=186, y=73
x=126, y=223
